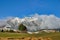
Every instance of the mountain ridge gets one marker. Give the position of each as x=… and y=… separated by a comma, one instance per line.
x=35, y=22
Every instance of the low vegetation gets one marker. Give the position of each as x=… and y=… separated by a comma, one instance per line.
x=53, y=36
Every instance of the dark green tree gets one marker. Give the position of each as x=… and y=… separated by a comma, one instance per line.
x=22, y=27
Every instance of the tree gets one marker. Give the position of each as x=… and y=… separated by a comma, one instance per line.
x=22, y=27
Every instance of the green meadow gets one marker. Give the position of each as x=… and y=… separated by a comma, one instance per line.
x=54, y=36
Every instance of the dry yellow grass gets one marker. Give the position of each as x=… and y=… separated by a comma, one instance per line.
x=25, y=38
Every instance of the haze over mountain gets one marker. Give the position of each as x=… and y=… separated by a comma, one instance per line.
x=33, y=23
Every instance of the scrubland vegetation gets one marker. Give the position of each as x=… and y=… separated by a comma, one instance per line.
x=53, y=36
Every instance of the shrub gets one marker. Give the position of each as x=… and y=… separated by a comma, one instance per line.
x=11, y=31
x=2, y=30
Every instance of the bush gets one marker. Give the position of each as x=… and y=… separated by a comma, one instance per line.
x=11, y=31
x=2, y=30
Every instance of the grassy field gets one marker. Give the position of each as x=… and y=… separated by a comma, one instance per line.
x=54, y=36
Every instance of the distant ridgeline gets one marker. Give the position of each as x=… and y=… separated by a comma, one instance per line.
x=34, y=24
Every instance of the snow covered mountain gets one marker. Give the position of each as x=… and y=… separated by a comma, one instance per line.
x=35, y=22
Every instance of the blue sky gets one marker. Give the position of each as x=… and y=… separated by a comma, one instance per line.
x=21, y=8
